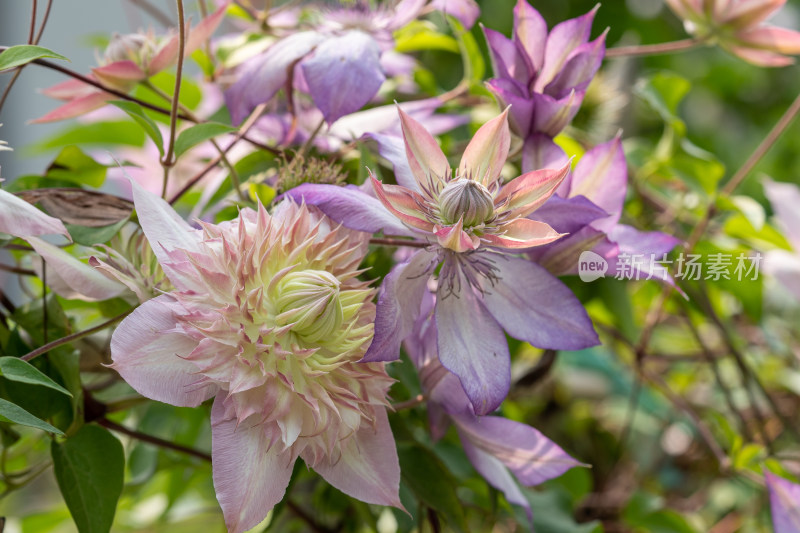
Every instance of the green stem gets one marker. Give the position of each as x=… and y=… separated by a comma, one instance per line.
x=653, y=49
x=73, y=337
x=169, y=159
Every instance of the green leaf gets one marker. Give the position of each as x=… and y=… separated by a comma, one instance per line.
x=10, y=412
x=74, y=165
x=431, y=482
x=136, y=112
x=261, y=192
x=89, y=468
x=15, y=369
x=201, y=132
x=23, y=54
x=664, y=92
x=420, y=35
x=474, y=64
x=97, y=134
x=90, y=236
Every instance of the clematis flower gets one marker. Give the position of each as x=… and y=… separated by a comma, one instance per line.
x=589, y=205
x=20, y=219
x=499, y=449
x=784, y=499
x=543, y=76
x=737, y=26
x=129, y=60
x=338, y=61
x=784, y=265
x=471, y=224
x=269, y=318
x=465, y=11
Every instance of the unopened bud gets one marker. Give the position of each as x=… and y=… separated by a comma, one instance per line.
x=309, y=299
x=467, y=200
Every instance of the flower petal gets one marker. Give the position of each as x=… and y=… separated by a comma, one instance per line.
x=507, y=60
x=344, y=73
x=561, y=258
x=532, y=457
x=553, y=115
x=427, y=161
x=743, y=13
x=71, y=278
x=785, y=268
x=601, y=176
x=784, y=499
x=568, y=215
x=785, y=199
x=579, y=69
x=465, y=11
x=368, y=468
x=250, y=475
x=539, y=151
x=403, y=203
x=69, y=90
x=524, y=194
x=772, y=38
x=121, y=75
x=204, y=29
x=455, y=238
x=350, y=207
x=761, y=58
x=486, y=153
x=78, y=106
x=523, y=233
x=564, y=38
x=521, y=108
x=530, y=33
x=21, y=219
x=147, y=352
x=398, y=305
x=473, y=347
x=533, y=306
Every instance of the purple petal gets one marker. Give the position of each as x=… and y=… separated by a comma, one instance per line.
x=368, y=468
x=561, y=257
x=465, y=11
x=473, y=347
x=262, y=76
x=148, y=353
x=646, y=245
x=785, y=199
x=250, y=474
x=344, y=73
x=507, y=61
x=535, y=307
x=568, y=215
x=21, y=219
x=508, y=93
x=399, y=300
x=601, y=176
x=539, y=151
x=784, y=499
x=579, y=69
x=564, y=38
x=553, y=115
x=530, y=33
x=351, y=207
x=393, y=149
x=532, y=457
x=404, y=12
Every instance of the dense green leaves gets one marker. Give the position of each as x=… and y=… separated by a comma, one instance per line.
x=23, y=54
x=89, y=468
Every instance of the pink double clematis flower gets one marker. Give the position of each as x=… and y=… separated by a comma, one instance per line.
x=737, y=26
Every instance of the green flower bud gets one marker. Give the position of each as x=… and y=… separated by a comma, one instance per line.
x=467, y=200
x=309, y=299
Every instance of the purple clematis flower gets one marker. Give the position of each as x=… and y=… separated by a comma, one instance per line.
x=594, y=196
x=471, y=223
x=498, y=448
x=543, y=77
x=338, y=61
x=784, y=499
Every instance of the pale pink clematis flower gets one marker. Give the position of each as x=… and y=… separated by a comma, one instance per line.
x=737, y=26
x=269, y=318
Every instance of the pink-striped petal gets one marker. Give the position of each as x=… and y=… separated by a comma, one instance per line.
x=367, y=468
x=524, y=194
x=523, y=233
x=403, y=203
x=148, y=353
x=771, y=38
x=166, y=56
x=77, y=107
x=120, y=75
x=205, y=29
x=250, y=474
x=21, y=219
x=68, y=90
x=486, y=153
x=455, y=238
x=427, y=161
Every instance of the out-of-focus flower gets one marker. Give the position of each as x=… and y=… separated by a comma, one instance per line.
x=589, y=205
x=784, y=499
x=497, y=447
x=338, y=62
x=129, y=60
x=466, y=11
x=468, y=219
x=737, y=26
x=4, y=145
x=543, y=76
x=784, y=265
x=267, y=316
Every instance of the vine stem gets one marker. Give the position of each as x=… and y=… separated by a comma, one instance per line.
x=169, y=158
x=73, y=337
x=653, y=49
x=398, y=242
x=144, y=437
x=408, y=404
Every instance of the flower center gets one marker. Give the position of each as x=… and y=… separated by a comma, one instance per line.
x=132, y=47
x=309, y=300
x=467, y=200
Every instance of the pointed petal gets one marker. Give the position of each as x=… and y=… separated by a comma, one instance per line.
x=760, y=58
x=579, y=69
x=539, y=151
x=686, y=9
x=535, y=307
x=473, y=347
x=486, y=153
x=404, y=12
x=350, y=207
x=507, y=61
x=744, y=13
x=562, y=257
x=530, y=33
x=368, y=468
x=250, y=476
x=21, y=219
x=344, y=73
x=205, y=29
x=71, y=278
x=521, y=108
x=147, y=352
x=403, y=203
x=564, y=38
x=602, y=176
x=524, y=194
x=523, y=233
x=784, y=499
x=553, y=115
x=69, y=90
x=166, y=56
x=77, y=107
x=121, y=75
x=568, y=215
x=398, y=306
x=785, y=199
x=427, y=161
x=532, y=457
x=455, y=238
x=772, y=38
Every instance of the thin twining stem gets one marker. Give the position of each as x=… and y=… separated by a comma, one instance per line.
x=386, y=241
x=113, y=426
x=169, y=158
x=653, y=49
x=41, y=350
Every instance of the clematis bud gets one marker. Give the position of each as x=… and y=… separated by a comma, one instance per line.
x=131, y=47
x=466, y=200
x=310, y=301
